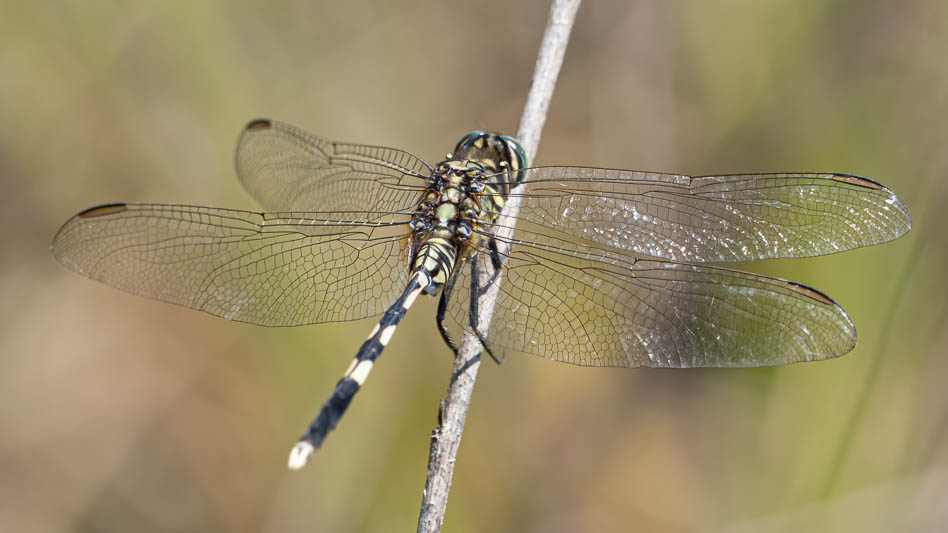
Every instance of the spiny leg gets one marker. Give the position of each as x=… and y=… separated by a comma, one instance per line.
x=477, y=291
x=356, y=374
x=449, y=288
x=496, y=260
x=443, y=309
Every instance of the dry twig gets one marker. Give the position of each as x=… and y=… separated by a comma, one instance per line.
x=446, y=439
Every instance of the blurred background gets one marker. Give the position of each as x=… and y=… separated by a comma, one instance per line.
x=123, y=414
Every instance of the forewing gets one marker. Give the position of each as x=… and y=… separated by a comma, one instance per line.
x=287, y=169
x=269, y=269
x=710, y=218
x=601, y=310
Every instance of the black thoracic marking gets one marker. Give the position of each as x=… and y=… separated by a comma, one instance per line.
x=441, y=255
x=103, y=210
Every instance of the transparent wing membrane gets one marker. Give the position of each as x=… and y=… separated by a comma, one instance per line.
x=597, y=309
x=710, y=218
x=268, y=269
x=287, y=169
x=606, y=266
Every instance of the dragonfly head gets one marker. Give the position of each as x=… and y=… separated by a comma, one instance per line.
x=493, y=150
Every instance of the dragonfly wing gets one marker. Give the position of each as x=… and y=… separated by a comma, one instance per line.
x=710, y=218
x=268, y=269
x=287, y=169
x=604, y=311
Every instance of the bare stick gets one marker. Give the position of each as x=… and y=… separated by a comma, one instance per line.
x=446, y=439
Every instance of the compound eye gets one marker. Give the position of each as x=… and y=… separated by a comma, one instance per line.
x=516, y=150
x=467, y=140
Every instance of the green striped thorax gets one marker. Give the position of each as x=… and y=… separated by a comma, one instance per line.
x=464, y=192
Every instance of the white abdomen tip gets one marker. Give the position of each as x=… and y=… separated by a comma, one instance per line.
x=301, y=454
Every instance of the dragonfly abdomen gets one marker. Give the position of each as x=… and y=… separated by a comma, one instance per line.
x=357, y=373
x=463, y=192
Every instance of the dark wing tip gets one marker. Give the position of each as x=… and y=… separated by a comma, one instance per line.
x=92, y=212
x=893, y=200
x=103, y=210
x=259, y=124
x=810, y=292
x=859, y=181
x=848, y=329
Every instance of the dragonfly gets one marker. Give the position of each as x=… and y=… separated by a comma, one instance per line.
x=599, y=267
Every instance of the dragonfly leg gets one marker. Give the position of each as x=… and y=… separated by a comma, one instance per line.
x=443, y=309
x=476, y=292
x=495, y=258
x=356, y=374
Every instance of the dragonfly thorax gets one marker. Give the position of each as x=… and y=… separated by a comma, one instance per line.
x=445, y=221
x=463, y=194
